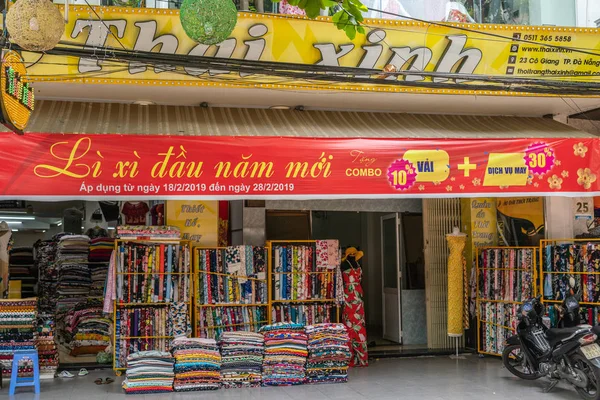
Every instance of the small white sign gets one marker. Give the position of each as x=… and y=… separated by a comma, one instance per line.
x=583, y=208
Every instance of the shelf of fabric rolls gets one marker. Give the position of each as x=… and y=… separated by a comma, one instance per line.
x=303, y=303
x=571, y=258
x=230, y=289
x=505, y=277
x=153, y=283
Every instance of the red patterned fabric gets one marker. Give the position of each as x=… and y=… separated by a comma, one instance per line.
x=353, y=317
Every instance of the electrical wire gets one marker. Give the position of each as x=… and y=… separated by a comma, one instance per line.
x=334, y=75
x=190, y=61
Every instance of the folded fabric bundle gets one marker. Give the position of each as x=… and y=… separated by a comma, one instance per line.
x=285, y=354
x=150, y=232
x=85, y=329
x=45, y=254
x=149, y=372
x=46, y=346
x=98, y=259
x=328, y=353
x=197, y=364
x=22, y=268
x=74, y=278
x=241, y=359
x=17, y=332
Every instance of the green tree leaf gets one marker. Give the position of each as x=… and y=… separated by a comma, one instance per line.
x=347, y=14
x=350, y=31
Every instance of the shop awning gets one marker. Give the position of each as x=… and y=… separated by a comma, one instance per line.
x=72, y=117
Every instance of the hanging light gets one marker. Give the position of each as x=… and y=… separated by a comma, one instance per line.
x=35, y=25
x=208, y=21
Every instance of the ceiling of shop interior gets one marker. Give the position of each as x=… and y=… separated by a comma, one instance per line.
x=310, y=99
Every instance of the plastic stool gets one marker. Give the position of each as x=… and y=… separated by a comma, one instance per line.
x=15, y=381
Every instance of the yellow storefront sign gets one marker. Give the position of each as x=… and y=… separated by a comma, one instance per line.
x=483, y=223
x=197, y=220
x=415, y=47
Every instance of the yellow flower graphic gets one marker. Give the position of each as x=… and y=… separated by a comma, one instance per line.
x=453, y=179
x=585, y=177
x=565, y=174
x=421, y=187
x=557, y=162
x=448, y=188
x=536, y=184
x=555, y=182
x=580, y=149
x=503, y=187
x=476, y=181
x=462, y=187
x=436, y=183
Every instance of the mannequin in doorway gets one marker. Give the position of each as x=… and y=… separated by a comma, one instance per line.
x=353, y=314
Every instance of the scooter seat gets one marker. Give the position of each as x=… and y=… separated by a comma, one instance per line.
x=556, y=335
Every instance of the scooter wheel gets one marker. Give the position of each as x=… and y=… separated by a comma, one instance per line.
x=515, y=362
x=592, y=391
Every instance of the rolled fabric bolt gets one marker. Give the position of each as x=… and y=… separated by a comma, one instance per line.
x=456, y=245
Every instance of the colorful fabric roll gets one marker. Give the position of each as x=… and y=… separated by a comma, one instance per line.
x=214, y=321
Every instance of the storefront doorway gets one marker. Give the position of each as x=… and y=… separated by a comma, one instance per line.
x=393, y=265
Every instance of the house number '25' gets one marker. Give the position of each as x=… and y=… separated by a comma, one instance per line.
x=582, y=207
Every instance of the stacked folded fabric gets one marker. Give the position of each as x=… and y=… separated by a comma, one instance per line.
x=45, y=254
x=328, y=353
x=90, y=332
x=149, y=372
x=241, y=359
x=74, y=280
x=285, y=354
x=17, y=332
x=148, y=232
x=22, y=269
x=197, y=364
x=99, y=258
x=46, y=346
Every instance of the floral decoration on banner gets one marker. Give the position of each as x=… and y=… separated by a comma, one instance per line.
x=580, y=149
x=585, y=177
x=539, y=158
x=402, y=174
x=555, y=182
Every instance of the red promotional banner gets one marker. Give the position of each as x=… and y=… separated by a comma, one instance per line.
x=142, y=166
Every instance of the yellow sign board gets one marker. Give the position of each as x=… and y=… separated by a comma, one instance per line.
x=198, y=221
x=483, y=222
x=411, y=46
x=17, y=94
x=521, y=220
